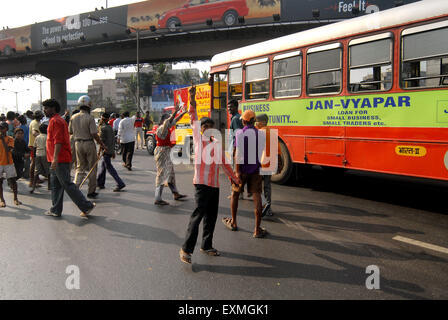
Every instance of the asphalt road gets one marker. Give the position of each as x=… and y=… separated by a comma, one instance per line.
x=324, y=235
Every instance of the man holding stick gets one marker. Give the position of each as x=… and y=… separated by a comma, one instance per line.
x=85, y=133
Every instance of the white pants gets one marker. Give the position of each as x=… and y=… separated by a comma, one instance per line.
x=139, y=132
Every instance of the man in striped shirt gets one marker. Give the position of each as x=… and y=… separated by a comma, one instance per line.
x=208, y=157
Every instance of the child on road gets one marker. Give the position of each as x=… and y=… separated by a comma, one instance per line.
x=20, y=152
x=7, y=168
x=42, y=166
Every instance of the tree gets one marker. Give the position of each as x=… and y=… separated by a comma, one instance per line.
x=131, y=89
x=204, y=76
x=161, y=75
x=186, y=77
x=110, y=106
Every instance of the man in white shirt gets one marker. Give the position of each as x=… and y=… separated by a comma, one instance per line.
x=126, y=137
x=117, y=123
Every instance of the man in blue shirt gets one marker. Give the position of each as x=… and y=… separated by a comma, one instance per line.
x=235, y=124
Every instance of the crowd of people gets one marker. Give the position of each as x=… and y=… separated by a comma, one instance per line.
x=47, y=145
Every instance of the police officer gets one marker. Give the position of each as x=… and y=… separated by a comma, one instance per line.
x=85, y=132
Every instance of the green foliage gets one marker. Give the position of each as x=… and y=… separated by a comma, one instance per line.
x=204, y=76
x=186, y=77
x=161, y=75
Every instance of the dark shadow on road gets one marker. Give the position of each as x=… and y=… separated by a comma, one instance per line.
x=328, y=208
x=359, y=249
x=348, y=275
x=129, y=230
x=418, y=193
x=344, y=225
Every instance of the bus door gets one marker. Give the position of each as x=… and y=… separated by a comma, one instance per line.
x=219, y=101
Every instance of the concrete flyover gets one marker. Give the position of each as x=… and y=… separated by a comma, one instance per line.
x=62, y=63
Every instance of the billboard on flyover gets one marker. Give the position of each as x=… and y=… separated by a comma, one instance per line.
x=15, y=39
x=193, y=14
x=75, y=29
x=167, y=16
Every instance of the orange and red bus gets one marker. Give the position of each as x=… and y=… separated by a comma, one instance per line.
x=369, y=93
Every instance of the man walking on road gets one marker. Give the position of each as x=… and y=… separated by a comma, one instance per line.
x=126, y=137
x=117, y=123
x=235, y=124
x=83, y=128
x=34, y=132
x=108, y=138
x=248, y=171
x=139, y=136
x=206, y=183
x=60, y=157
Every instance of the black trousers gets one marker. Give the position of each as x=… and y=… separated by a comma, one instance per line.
x=207, y=202
x=127, y=150
x=20, y=168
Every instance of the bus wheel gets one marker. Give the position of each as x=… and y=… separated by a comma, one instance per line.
x=285, y=166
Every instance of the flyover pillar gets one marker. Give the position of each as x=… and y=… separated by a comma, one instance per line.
x=58, y=72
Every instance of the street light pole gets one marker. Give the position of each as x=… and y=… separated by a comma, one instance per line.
x=17, y=98
x=137, y=31
x=40, y=87
x=138, y=70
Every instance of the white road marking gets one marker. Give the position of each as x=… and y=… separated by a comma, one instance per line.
x=153, y=172
x=421, y=244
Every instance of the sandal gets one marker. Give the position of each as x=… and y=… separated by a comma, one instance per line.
x=161, y=203
x=228, y=223
x=185, y=257
x=211, y=252
x=261, y=233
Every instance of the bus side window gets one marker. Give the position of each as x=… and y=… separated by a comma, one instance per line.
x=236, y=83
x=257, y=80
x=370, y=65
x=287, y=76
x=324, y=75
x=425, y=57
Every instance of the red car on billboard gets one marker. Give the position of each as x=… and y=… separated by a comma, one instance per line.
x=198, y=11
x=7, y=43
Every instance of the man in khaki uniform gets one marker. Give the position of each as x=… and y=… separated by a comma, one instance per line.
x=85, y=132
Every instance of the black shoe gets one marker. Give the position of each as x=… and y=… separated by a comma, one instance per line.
x=92, y=195
x=266, y=209
x=102, y=187
x=118, y=189
x=129, y=168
